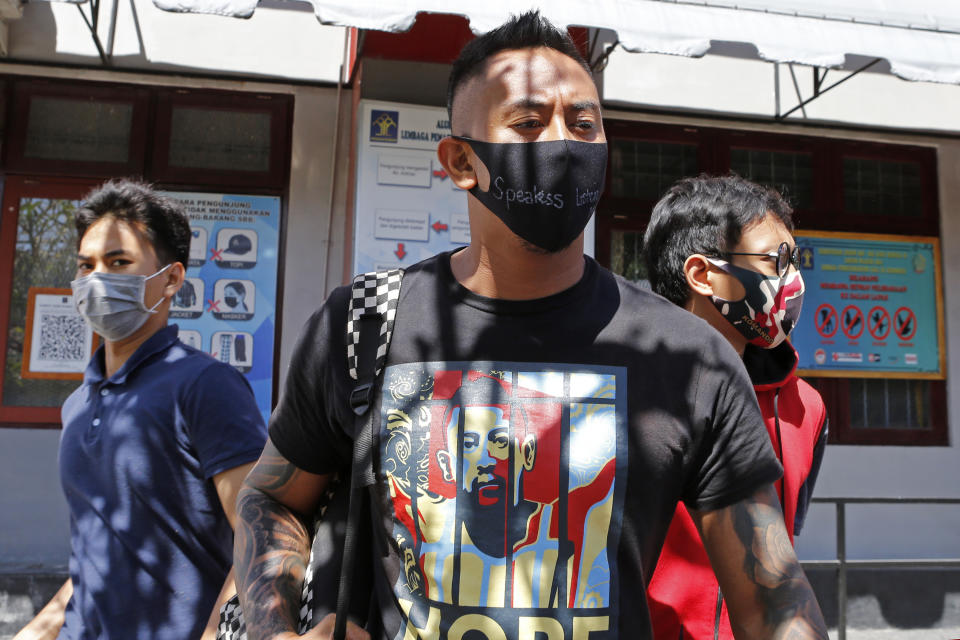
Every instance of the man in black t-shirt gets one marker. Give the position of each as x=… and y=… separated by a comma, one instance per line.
x=539, y=418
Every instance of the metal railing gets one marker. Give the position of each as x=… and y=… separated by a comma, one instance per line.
x=842, y=564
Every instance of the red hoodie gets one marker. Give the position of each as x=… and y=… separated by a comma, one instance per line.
x=683, y=594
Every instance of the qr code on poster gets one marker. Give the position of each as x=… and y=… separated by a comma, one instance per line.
x=62, y=337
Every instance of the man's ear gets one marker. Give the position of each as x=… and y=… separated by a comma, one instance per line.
x=696, y=270
x=176, y=274
x=528, y=451
x=455, y=155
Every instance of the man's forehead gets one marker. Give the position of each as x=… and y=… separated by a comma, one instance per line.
x=482, y=414
x=111, y=236
x=533, y=75
x=112, y=230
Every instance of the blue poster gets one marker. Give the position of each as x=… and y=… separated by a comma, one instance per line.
x=872, y=304
x=227, y=305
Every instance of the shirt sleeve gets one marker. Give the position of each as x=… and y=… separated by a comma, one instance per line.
x=735, y=457
x=223, y=419
x=806, y=490
x=311, y=422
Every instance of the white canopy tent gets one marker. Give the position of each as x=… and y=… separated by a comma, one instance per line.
x=920, y=39
x=756, y=55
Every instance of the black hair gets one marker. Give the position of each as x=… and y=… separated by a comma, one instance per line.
x=525, y=31
x=705, y=215
x=161, y=219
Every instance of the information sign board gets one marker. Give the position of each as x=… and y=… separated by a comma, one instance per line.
x=227, y=305
x=873, y=306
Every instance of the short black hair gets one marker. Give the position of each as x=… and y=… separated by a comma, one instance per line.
x=161, y=219
x=525, y=31
x=705, y=215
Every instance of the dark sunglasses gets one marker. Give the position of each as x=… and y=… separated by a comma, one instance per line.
x=785, y=257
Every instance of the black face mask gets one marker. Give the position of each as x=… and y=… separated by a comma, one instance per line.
x=545, y=192
x=231, y=301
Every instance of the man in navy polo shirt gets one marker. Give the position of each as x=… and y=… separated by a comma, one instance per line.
x=155, y=442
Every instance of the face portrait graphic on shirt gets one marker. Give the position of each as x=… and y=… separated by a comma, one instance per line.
x=474, y=464
x=488, y=452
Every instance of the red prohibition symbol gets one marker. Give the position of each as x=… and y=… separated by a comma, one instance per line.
x=905, y=323
x=852, y=322
x=825, y=320
x=878, y=323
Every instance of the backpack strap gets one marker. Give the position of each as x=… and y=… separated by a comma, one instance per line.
x=370, y=317
x=374, y=294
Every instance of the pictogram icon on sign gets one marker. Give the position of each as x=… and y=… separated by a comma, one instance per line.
x=825, y=320
x=400, y=252
x=439, y=226
x=216, y=254
x=878, y=322
x=852, y=322
x=905, y=323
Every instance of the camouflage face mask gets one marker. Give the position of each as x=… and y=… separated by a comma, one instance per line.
x=769, y=311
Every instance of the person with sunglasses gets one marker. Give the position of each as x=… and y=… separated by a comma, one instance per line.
x=722, y=248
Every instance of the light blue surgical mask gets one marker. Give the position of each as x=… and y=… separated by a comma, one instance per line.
x=113, y=303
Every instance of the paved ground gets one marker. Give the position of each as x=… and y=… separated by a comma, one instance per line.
x=869, y=617
x=856, y=634
x=900, y=634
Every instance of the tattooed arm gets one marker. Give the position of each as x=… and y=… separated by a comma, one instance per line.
x=272, y=543
x=766, y=591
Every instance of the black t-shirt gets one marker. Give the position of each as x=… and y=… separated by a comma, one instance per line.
x=531, y=453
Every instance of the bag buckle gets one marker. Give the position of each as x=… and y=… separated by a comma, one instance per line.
x=360, y=398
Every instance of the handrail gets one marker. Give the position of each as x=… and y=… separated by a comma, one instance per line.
x=842, y=564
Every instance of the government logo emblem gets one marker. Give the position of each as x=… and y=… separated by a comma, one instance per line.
x=384, y=126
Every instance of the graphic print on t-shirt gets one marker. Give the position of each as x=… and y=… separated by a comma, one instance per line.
x=506, y=484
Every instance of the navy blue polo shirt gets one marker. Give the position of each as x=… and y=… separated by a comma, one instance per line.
x=150, y=544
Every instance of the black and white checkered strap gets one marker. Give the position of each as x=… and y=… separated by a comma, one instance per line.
x=307, y=593
x=376, y=292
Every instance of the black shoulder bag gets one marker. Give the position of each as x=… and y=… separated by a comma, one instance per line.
x=343, y=521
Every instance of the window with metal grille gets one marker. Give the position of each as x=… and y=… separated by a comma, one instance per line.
x=645, y=170
x=788, y=172
x=885, y=410
x=889, y=404
x=872, y=186
x=78, y=130
x=219, y=139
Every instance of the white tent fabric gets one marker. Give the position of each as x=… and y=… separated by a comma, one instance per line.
x=919, y=38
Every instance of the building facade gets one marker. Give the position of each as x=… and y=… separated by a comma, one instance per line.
x=277, y=113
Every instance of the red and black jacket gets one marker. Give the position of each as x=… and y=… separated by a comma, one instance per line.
x=683, y=595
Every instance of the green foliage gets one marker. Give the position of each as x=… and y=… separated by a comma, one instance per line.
x=45, y=257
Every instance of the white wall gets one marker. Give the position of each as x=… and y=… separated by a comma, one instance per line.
x=35, y=530
x=315, y=244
